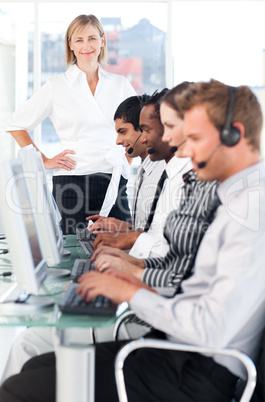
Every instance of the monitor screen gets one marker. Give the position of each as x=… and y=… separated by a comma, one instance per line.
x=20, y=227
x=30, y=225
x=51, y=236
x=54, y=208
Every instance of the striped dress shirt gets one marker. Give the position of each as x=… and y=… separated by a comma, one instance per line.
x=153, y=243
x=184, y=229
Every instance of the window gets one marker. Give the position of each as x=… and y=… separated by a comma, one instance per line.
x=136, y=46
x=153, y=43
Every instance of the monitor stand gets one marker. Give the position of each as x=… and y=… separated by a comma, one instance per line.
x=14, y=302
x=66, y=253
x=57, y=273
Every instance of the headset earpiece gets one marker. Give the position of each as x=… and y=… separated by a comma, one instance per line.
x=230, y=135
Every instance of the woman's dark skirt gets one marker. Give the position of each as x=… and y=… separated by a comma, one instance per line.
x=80, y=196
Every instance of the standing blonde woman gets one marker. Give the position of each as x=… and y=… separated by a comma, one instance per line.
x=81, y=104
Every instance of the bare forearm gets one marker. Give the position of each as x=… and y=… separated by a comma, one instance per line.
x=136, y=261
x=62, y=160
x=115, y=252
x=129, y=239
x=118, y=286
x=23, y=139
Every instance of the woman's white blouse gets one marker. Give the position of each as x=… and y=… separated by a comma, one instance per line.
x=83, y=122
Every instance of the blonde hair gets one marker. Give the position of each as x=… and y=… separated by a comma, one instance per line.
x=81, y=22
x=216, y=96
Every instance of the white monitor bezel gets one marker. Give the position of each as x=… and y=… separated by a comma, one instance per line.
x=50, y=231
x=29, y=277
x=54, y=207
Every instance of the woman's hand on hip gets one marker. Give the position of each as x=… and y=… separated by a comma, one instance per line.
x=62, y=161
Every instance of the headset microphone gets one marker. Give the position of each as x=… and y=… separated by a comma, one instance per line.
x=174, y=149
x=131, y=149
x=202, y=165
x=153, y=150
x=229, y=135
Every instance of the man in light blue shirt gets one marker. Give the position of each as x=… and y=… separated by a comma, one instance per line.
x=222, y=305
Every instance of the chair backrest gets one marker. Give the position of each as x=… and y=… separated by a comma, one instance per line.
x=129, y=326
x=161, y=344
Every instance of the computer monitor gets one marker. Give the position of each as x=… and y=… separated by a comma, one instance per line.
x=47, y=217
x=57, y=213
x=37, y=155
x=54, y=207
x=20, y=227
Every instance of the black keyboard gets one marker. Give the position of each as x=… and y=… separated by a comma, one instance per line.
x=87, y=246
x=73, y=304
x=81, y=267
x=84, y=234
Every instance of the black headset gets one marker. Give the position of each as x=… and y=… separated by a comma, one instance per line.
x=230, y=135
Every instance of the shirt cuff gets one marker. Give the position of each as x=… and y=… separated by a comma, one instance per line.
x=149, y=246
x=142, y=246
x=149, y=300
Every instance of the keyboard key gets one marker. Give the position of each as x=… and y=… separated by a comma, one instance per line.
x=87, y=246
x=81, y=267
x=84, y=234
x=73, y=304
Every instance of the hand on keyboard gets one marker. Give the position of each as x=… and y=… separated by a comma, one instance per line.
x=72, y=303
x=81, y=267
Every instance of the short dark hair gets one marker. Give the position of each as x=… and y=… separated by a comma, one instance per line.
x=155, y=100
x=129, y=110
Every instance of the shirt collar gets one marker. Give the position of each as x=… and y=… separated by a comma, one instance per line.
x=73, y=72
x=103, y=73
x=240, y=181
x=177, y=165
x=148, y=165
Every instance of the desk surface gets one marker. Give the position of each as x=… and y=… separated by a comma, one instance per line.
x=52, y=316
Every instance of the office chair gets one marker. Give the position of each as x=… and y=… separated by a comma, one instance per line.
x=129, y=326
x=163, y=344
